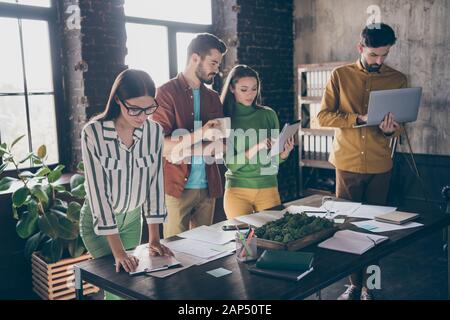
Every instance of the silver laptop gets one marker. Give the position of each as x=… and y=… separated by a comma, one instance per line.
x=403, y=103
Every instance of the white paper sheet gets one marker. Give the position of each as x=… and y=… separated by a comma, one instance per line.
x=376, y=226
x=208, y=234
x=261, y=218
x=194, y=247
x=344, y=208
x=369, y=212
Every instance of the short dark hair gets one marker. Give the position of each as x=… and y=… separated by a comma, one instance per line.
x=203, y=43
x=378, y=35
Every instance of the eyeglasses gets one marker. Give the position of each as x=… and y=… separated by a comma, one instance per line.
x=136, y=111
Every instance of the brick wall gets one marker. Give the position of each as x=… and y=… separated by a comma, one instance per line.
x=93, y=49
x=265, y=33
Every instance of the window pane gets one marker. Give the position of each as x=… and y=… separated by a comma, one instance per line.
x=43, y=125
x=14, y=124
x=193, y=11
x=37, y=3
x=183, y=40
x=37, y=56
x=148, y=50
x=11, y=75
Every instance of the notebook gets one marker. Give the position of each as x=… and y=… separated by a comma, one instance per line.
x=149, y=263
x=396, y=217
x=352, y=242
x=281, y=264
x=281, y=274
x=285, y=260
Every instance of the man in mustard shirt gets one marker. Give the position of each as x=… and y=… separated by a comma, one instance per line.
x=362, y=156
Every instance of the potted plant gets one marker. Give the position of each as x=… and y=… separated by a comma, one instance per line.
x=48, y=218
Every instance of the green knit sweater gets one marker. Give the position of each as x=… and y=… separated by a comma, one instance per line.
x=260, y=171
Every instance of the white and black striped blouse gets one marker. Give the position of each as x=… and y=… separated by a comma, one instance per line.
x=119, y=179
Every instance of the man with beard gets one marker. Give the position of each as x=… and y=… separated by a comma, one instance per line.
x=187, y=110
x=362, y=156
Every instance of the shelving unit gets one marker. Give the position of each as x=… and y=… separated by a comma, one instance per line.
x=315, y=142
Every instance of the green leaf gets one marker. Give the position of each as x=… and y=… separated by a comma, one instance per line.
x=60, y=205
x=59, y=167
x=17, y=140
x=42, y=151
x=67, y=229
x=19, y=196
x=76, y=247
x=26, y=174
x=3, y=149
x=65, y=193
x=6, y=182
x=3, y=167
x=79, y=192
x=56, y=173
x=33, y=244
x=39, y=192
x=36, y=161
x=80, y=166
x=76, y=180
x=59, y=188
x=48, y=223
x=15, y=213
x=43, y=172
x=52, y=250
x=54, y=176
x=73, y=211
x=27, y=226
x=33, y=207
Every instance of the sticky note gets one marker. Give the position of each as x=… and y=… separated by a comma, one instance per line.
x=220, y=272
x=368, y=227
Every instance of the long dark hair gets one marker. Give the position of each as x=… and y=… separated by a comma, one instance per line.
x=227, y=97
x=129, y=84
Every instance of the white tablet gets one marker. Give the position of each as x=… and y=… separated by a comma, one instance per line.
x=288, y=131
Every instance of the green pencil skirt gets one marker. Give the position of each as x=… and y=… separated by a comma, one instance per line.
x=130, y=229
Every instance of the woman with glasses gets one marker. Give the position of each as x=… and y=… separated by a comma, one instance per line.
x=122, y=156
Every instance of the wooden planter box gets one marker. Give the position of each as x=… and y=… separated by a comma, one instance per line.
x=297, y=244
x=55, y=281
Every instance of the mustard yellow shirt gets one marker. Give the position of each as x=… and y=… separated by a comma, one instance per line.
x=359, y=150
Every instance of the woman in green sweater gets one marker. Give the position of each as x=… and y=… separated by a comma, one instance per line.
x=251, y=180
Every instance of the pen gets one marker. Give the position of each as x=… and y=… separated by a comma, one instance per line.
x=244, y=245
x=250, y=236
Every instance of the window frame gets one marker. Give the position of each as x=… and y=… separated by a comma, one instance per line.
x=173, y=28
x=49, y=15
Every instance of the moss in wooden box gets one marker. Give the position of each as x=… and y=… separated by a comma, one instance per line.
x=292, y=227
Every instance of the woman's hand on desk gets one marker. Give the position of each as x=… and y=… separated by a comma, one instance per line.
x=127, y=261
x=158, y=249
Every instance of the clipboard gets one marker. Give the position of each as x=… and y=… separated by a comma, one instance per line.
x=289, y=130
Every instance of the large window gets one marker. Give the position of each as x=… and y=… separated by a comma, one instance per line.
x=158, y=33
x=27, y=97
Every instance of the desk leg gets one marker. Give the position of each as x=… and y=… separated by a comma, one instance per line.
x=78, y=284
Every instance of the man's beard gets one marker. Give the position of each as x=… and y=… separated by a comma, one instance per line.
x=370, y=67
x=203, y=77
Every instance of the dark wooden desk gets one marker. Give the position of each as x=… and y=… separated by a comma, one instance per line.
x=195, y=284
